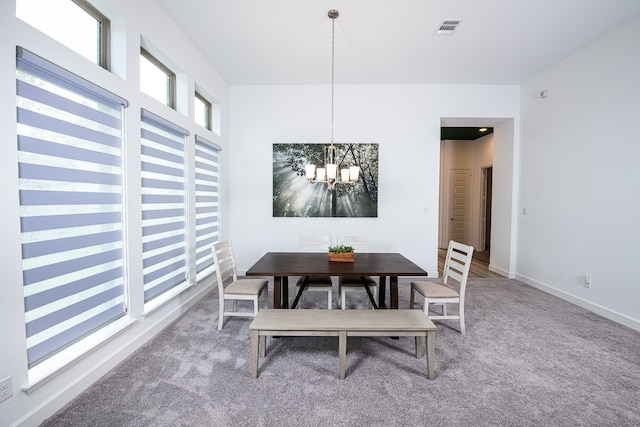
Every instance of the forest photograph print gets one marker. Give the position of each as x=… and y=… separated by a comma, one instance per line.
x=296, y=196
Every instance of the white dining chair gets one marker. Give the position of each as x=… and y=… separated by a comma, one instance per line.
x=354, y=283
x=456, y=267
x=230, y=287
x=316, y=283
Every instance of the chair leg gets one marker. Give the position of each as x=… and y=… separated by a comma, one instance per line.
x=221, y=314
x=343, y=298
x=444, y=309
x=329, y=300
x=411, y=297
x=461, y=311
x=266, y=297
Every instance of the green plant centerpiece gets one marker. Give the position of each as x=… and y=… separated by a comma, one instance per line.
x=341, y=253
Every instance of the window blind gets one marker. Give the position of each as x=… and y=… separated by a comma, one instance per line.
x=69, y=135
x=207, y=193
x=163, y=205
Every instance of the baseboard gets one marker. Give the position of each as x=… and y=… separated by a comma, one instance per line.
x=502, y=271
x=580, y=302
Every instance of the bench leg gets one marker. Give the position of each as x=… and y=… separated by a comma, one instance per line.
x=342, y=350
x=263, y=345
x=418, y=346
x=431, y=353
x=254, y=353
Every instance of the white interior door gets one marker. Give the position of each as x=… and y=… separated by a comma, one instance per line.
x=460, y=205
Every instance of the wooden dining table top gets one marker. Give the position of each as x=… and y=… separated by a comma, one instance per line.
x=316, y=264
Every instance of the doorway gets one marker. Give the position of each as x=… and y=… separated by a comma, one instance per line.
x=496, y=226
x=467, y=187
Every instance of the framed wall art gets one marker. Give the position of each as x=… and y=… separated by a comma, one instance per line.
x=325, y=180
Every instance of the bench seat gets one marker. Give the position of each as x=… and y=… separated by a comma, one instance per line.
x=343, y=324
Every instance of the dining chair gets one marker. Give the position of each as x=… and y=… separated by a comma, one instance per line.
x=456, y=266
x=316, y=283
x=354, y=283
x=230, y=287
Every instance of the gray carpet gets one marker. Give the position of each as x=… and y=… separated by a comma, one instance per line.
x=528, y=359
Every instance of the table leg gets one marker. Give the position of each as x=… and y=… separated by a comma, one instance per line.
x=300, y=290
x=285, y=292
x=342, y=351
x=431, y=353
x=366, y=288
x=382, y=285
x=418, y=346
x=277, y=291
x=393, y=285
x=254, y=353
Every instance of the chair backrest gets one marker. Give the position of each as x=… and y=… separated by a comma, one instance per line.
x=359, y=243
x=225, y=265
x=457, y=264
x=315, y=243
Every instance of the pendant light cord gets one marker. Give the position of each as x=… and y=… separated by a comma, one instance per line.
x=333, y=24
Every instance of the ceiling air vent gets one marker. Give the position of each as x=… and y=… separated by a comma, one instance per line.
x=447, y=27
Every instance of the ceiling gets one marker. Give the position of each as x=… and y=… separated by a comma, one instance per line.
x=392, y=41
x=464, y=133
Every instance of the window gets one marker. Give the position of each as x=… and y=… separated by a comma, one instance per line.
x=69, y=135
x=74, y=23
x=207, y=191
x=202, y=111
x=156, y=80
x=163, y=206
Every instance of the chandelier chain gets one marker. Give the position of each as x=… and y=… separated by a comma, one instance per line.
x=333, y=24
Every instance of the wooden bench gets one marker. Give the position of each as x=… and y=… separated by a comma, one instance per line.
x=343, y=324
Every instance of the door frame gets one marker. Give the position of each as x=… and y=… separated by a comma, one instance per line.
x=504, y=195
x=485, y=207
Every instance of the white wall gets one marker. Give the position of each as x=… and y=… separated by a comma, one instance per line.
x=403, y=120
x=579, y=177
x=129, y=21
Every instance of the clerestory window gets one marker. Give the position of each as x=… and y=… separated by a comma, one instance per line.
x=75, y=23
x=156, y=79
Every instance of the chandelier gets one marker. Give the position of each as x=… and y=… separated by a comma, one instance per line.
x=329, y=173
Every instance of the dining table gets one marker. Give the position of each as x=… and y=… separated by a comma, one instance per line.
x=281, y=265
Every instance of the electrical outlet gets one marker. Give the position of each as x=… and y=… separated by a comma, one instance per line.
x=586, y=282
x=6, y=390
